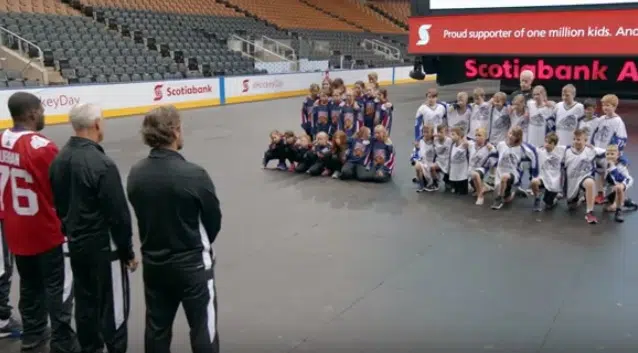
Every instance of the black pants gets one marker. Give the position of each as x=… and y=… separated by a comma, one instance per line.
x=356, y=171
x=101, y=287
x=334, y=163
x=165, y=288
x=6, y=271
x=277, y=153
x=460, y=187
x=46, y=291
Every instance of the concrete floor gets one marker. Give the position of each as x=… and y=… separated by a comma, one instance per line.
x=318, y=265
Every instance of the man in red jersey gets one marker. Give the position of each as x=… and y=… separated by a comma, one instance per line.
x=32, y=229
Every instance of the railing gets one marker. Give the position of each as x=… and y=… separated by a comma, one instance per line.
x=279, y=47
x=259, y=53
x=381, y=48
x=25, y=48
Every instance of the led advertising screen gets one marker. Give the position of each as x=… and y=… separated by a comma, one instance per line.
x=490, y=4
x=603, y=32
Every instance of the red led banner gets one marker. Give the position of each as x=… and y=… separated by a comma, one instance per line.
x=582, y=33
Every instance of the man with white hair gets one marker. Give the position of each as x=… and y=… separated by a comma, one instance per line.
x=526, y=80
x=90, y=202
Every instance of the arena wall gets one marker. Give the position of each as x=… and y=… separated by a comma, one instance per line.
x=119, y=100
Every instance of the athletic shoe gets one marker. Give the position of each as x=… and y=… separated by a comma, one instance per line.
x=479, y=201
x=291, y=168
x=629, y=205
x=498, y=203
x=520, y=192
x=549, y=206
x=33, y=343
x=336, y=175
x=590, y=218
x=432, y=188
x=282, y=166
x=618, y=217
x=537, y=205
x=415, y=180
x=600, y=199
x=10, y=328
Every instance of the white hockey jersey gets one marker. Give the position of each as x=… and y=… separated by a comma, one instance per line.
x=580, y=165
x=479, y=118
x=541, y=122
x=551, y=167
x=567, y=121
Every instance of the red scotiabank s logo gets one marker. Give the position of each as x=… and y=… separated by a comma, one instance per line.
x=245, y=85
x=158, y=93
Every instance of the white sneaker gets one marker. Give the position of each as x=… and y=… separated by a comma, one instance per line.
x=480, y=201
x=336, y=175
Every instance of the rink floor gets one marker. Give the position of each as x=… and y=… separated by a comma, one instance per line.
x=318, y=265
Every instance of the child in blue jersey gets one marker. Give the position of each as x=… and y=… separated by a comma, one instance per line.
x=358, y=156
x=618, y=179
x=276, y=150
x=338, y=154
x=369, y=106
x=304, y=157
x=335, y=111
x=382, y=161
x=306, y=109
x=384, y=110
x=321, y=151
x=351, y=119
x=321, y=115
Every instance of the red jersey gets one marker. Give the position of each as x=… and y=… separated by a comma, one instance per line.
x=31, y=225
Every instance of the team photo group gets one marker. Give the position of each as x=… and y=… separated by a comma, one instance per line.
x=559, y=150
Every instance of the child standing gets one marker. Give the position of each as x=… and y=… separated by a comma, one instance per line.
x=500, y=121
x=384, y=110
x=306, y=109
x=441, y=167
x=459, y=113
x=432, y=112
x=550, y=161
x=589, y=121
x=369, y=106
x=321, y=115
x=567, y=114
x=541, y=117
x=480, y=116
x=459, y=161
x=335, y=111
x=519, y=115
x=351, y=119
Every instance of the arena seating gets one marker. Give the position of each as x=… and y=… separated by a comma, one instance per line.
x=101, y=41
x=398, y=10
x=354, y=12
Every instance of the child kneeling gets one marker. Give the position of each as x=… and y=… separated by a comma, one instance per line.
x=358, y=156
x=383, y=157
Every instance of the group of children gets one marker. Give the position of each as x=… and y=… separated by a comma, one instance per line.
x=346, y=133
x=566, y=149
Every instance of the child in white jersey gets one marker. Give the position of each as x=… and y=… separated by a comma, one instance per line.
x=441, y=167
x=567, y=114
x=510, y=155
x=618, y=178
x=480, y=115
x=541, y=117
x=519, y=116
x=500, y=121
x=589, y=121
x=580, y=163
x=550, y=163
x=432, y=112
x=479, y=153
x=459, y=161
x=458, y=114
x=610, y=130
x=423, y=158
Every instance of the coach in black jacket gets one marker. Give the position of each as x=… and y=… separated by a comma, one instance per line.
x=178, y=217
x=90, y=201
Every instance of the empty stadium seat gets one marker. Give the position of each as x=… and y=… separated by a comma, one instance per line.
x=399, y=10
x=353, y=11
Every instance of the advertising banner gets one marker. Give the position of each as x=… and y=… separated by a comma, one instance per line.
x=578, y=33
x=122, y=99
x=490, y=4
x=592, y=76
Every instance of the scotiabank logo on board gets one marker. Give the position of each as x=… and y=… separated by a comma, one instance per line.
x=252, y=84
x=596, y=70
x=584, y=33
x=162, y=90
